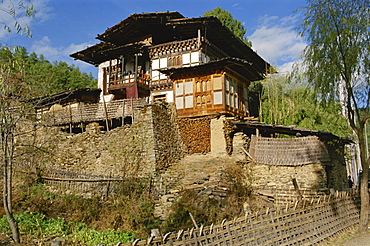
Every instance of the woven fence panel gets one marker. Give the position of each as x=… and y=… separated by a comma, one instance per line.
x=99, y=185
x=78, y=181
x=307, y=223
x=88, y=112
x=288, y=151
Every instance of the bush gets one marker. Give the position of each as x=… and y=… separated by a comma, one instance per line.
x=35, y=226
x=212, y=209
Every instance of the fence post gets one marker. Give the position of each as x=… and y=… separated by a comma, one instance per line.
x=70, y=117
x=123, y=112
x=106, y=115
x=132, y=109
x=81, y=115
x=108, y=186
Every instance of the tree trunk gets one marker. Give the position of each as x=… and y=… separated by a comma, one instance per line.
x=12, y=223
x=7, y=187
x=364, y=190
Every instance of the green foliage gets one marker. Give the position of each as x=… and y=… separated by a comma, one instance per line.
x=45, y=77
x=133, y=211
x=336, y=61
x=36, y=226
x=233, y=24
x=18, y=12
x=86, y=236
x=255, y=92
x=208, y=209
x=285, y=102
x=337, y=64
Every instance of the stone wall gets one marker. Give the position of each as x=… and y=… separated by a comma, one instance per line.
x=148, y=145
x=295, y=175
x=169, y=146
x=277, y=181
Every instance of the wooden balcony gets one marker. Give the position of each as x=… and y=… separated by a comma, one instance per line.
x=129, y=86
x=117, y=81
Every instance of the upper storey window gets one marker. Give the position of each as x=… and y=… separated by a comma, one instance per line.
x=175, y=58
x=174, y=61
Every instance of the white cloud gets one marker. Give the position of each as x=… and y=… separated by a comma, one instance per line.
x=286, y=67
x=276, y=41
x=45, y=47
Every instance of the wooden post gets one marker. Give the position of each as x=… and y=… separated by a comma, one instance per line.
x=295, y=184
x=136, y=61
x=123, y=69
x=108, y=186
x=123, y=112
x=194, y=222
x=106, y=115
x=81, y=115
x=110, y=71
x=70, y=117
x=132, y=109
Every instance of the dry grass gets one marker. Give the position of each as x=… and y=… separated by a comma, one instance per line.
x=344, y=237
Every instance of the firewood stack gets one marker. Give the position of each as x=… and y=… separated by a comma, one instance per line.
x=229, y=131
x=196, y=134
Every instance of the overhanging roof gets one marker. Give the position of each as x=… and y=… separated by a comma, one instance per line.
x=163, y=27
x=104, y=51
x=268, y=129
x=241, y=66
x=136, y=26
x=89, y=95
x=219, y=35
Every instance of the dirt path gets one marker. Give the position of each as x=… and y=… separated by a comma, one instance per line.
x=358, y=240
x=350, y=237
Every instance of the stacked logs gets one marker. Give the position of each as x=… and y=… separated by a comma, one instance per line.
x=229, y=131
x=196, y=134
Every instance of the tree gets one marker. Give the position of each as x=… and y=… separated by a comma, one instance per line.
x=286, y=102
x=10, y=114
x=24, y=76
x=8, y=103
x=16, y=12
x=336, y=61
x=51, y=77
x=233, y=24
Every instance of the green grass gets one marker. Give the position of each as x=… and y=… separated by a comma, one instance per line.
x=33, y=225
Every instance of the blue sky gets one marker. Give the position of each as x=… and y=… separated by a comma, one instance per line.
x=62, y=27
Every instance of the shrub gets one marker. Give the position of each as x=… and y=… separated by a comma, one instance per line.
x=33, y=225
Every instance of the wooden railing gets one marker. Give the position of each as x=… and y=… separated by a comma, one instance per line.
x=90, y=112
x=118, y=79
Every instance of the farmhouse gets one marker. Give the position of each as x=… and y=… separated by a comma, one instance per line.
x=178, y=86
x=197, y=63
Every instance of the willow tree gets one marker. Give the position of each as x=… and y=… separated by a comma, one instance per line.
x=287, y=102
x=13, y=15
x=336, y=62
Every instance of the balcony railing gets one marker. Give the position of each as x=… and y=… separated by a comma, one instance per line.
x=118, y=79
x=90, y=112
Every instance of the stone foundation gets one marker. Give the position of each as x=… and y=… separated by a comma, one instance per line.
x=149, y=145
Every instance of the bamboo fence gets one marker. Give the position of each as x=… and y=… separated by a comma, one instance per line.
x=302, y=223
x=100, y=185
x=288, y=151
